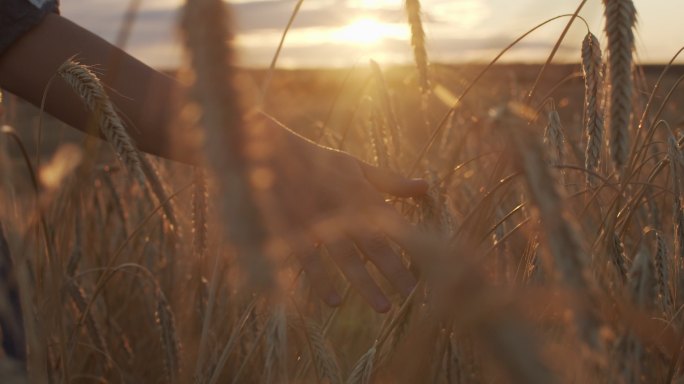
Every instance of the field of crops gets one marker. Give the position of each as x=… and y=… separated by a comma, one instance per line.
x=549, y=246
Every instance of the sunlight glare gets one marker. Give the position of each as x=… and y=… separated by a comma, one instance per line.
x=364, y=31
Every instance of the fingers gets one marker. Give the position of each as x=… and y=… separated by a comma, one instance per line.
x=419, y=245
x=347, y=259
x=361, y=222
x=321, y=282
x=378, y=250
x=392, y=183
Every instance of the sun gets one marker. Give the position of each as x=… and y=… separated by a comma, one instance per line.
x=364, y=31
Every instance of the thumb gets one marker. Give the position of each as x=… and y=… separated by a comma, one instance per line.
x=392, y=183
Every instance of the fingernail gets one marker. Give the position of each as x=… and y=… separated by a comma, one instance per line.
x=382, y=305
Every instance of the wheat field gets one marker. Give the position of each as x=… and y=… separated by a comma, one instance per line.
x=549, y=247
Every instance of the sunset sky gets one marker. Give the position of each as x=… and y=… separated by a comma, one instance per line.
x=336, y=33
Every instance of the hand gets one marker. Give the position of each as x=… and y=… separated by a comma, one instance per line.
x=327, y=197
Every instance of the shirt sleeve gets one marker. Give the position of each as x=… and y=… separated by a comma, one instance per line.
x=19, y=16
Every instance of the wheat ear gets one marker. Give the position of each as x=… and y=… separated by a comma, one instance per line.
x=593, y=121
x=554, y=138
x=620, y=21
x=418, y=43
x=87, y=85
x=661, y=272
x=363, y=370
x=275, y=367
x=322, y=354
x=159, y=190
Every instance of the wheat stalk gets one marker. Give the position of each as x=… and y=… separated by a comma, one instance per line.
x=418, y=43
x=377, y=138
x=561, y=236
x=77, y=251
x=620, y=21
x=116, y=200
x=199, y=214
x=618, y=257
x=13, y=337
x=676, y=160
x=159, y=190
x=389, y=117
x=199, y=235
x=206, y=36
x=167, y=329
x=89, y=88
x=641, y=280
x=79, y=298
x=434, y=211
x=676, y=167
x=535, y=269
x=404, y=318
x=653, y=208
x=593, y=121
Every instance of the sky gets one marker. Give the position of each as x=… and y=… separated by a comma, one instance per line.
x=339, y=33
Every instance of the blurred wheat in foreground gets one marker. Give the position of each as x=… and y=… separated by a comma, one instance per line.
x=546, y=250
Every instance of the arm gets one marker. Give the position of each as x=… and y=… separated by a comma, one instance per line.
x=148, y=99
x=323, y=184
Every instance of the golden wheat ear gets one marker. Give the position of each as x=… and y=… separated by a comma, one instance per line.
x=554, y=138
x=593, y=120
x=620, y=22
x=88, y=87
x=418, y=43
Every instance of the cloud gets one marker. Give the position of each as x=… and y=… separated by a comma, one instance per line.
x=274, y=14
x=456, y=30
x=397, y=51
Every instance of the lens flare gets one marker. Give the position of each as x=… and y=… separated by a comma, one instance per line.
x=365, y=31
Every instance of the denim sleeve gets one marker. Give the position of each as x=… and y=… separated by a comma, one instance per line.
x=19, y=16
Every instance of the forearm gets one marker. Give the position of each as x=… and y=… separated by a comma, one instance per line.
x=148, y=100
